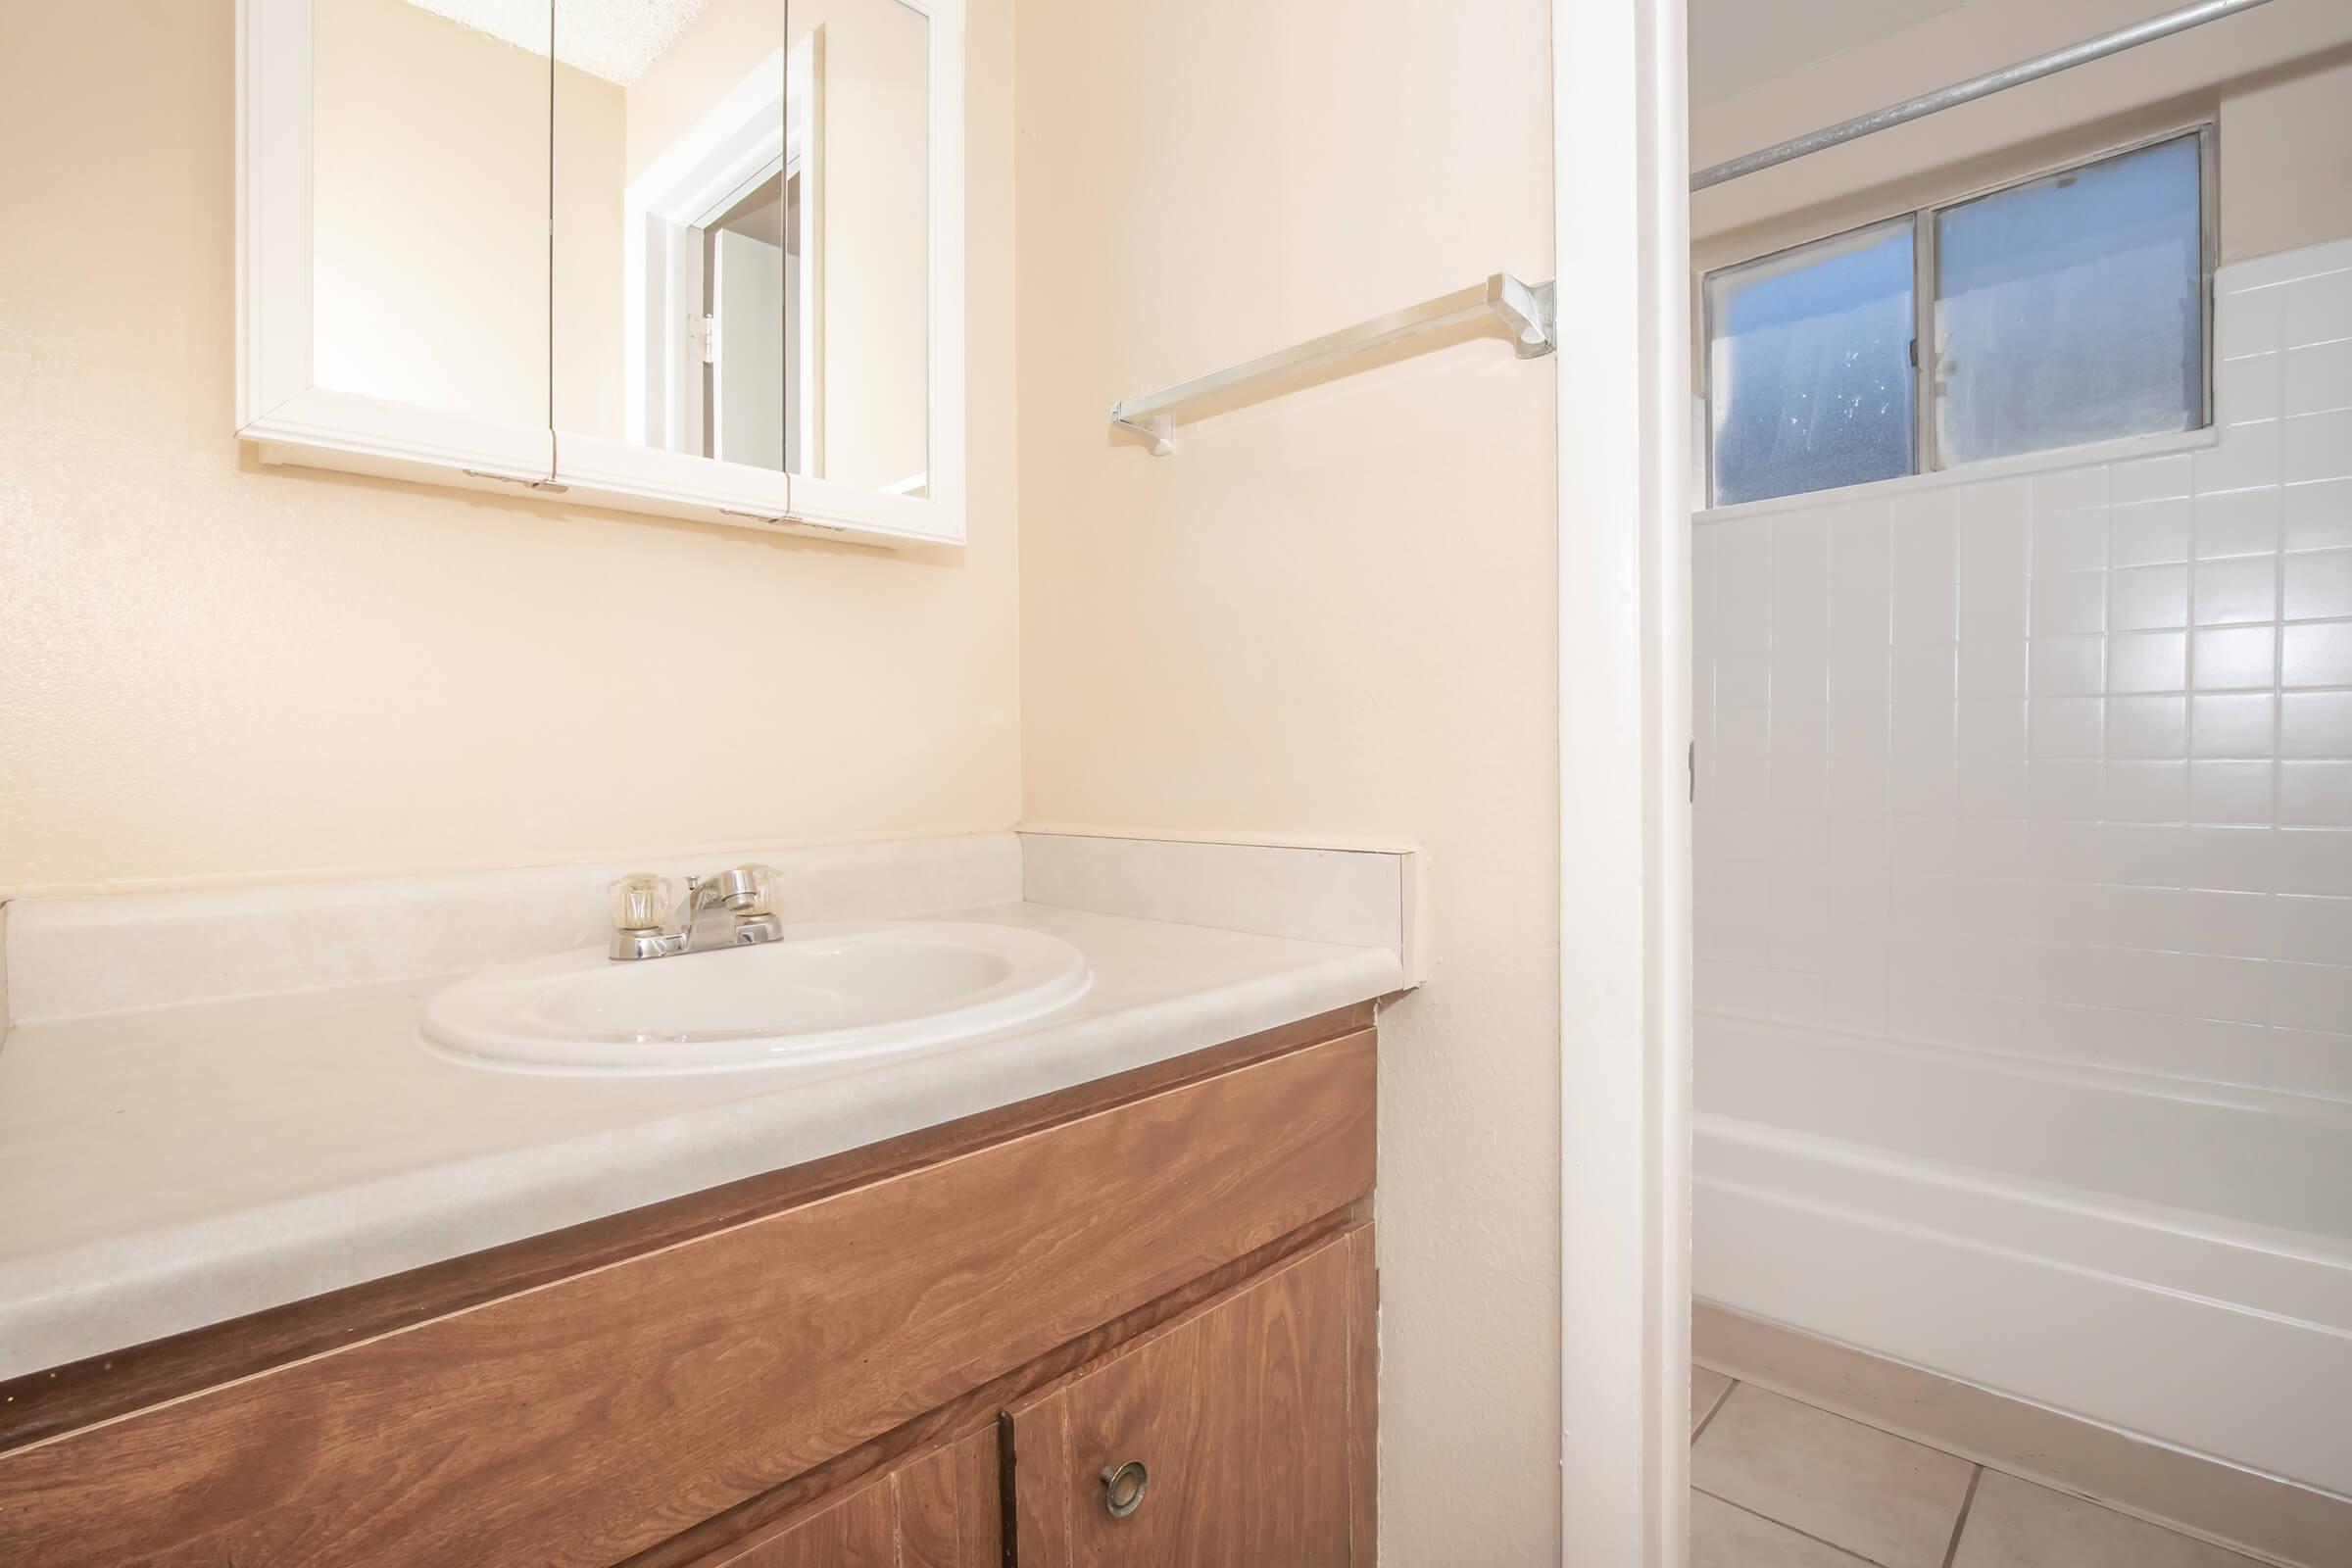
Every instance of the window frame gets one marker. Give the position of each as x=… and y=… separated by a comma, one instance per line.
x=1926, y=280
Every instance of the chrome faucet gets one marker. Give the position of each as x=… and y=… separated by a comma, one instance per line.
x=734, y=908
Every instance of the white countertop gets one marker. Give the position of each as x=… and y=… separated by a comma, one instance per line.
x=173, y=1166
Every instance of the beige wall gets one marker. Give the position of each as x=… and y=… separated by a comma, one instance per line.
x=1331, y=614
x=713, y=52
x=2287, y=157
x=2279, y=77
x=210, y=669
x=591, y=146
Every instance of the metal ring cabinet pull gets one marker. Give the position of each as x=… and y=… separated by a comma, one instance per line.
x=1123, y=1488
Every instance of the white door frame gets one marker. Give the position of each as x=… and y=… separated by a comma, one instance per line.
x=738, y=144
x=1621, y=174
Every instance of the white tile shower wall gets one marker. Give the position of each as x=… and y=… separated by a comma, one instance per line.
x=2058, y=765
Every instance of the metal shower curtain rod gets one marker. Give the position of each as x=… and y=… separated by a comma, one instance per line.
x=1974, y=87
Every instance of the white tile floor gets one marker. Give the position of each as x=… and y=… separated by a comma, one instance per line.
x=1776, y=1483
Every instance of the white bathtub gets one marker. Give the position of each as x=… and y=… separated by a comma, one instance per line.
x=2171, y=1258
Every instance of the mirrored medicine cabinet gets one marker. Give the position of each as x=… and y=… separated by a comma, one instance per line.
x=693, y=258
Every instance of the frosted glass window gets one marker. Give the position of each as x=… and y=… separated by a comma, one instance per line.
x=1809, y=367
x=2072, y=309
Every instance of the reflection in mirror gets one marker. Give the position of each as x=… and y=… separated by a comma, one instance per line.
x=429, y=219
x=671, y=225
x=747, y=276
x=742, y=210
x=860, y=101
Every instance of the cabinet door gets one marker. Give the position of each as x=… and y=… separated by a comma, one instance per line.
x=1251, y=1421
x=392, y=238
x=671, y=253
x=941, y=1510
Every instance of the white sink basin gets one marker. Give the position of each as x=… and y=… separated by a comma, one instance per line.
x=830, y=994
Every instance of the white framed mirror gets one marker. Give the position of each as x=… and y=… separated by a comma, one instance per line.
x=692, y=258
x=392, y=297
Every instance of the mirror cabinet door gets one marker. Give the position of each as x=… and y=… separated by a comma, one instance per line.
x=429, y=215
x=692, y=257
x=743, y=272
x=860, y=204
x=672, y=264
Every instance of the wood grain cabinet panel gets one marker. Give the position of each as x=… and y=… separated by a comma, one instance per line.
x=942, y=1510
x=596, y=1417
x=859, y=1531
x=1251, y=1417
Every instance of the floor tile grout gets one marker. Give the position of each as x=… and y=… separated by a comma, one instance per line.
x=1951, y=1552
x=1977, y=1472
x=1753, y=1513
x=1705, y=1420
x=1843, y=1414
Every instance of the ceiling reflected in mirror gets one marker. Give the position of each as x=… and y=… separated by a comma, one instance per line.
x=615, y=39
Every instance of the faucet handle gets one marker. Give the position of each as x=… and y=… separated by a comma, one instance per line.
x=640, y=902
x=748, y=891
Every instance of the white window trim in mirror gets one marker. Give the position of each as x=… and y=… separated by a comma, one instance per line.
x=292, y=419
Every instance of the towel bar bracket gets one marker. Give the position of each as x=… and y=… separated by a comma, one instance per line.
x=1529, y=310
x=1157, y=428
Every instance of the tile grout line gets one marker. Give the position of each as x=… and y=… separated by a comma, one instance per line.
x=1953, y=1550
x=1708, y=1419
x=1968, y=1498
x=1783, y=1524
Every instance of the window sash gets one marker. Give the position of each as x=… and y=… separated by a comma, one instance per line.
x=1928, y=456
x=1727, y=285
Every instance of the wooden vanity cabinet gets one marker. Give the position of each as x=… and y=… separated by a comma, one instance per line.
x=1244, y=1430
x=920, y=1354
x=1245, y=1427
